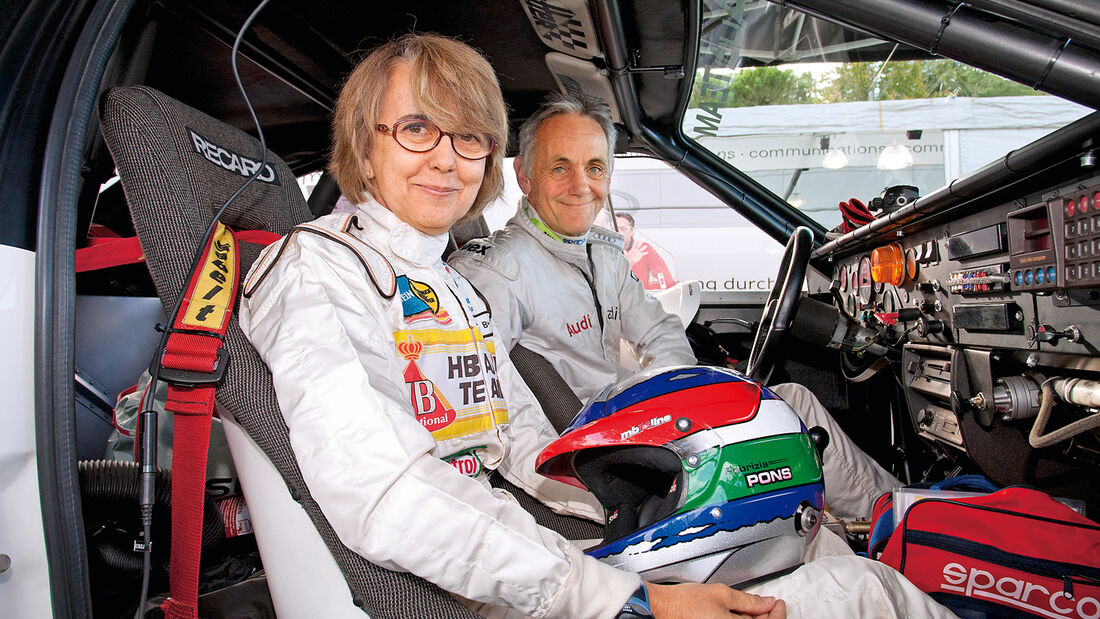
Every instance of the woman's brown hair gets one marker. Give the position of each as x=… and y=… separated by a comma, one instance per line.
x=452, y=84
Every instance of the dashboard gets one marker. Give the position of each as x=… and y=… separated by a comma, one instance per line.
x=993, y=320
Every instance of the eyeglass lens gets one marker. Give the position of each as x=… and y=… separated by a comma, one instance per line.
x=421, y=135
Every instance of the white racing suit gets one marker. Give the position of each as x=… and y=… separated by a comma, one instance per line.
x=571, y=300
x=853, y=480
x=386, y=367
x=538, y=287
x=844, y=586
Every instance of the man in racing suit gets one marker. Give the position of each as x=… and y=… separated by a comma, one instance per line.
x=562, y=288
x=570, y=299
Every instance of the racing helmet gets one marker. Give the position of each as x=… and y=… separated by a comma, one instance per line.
x=704, y=475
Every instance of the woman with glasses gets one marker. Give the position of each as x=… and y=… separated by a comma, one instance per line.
x=385, y=366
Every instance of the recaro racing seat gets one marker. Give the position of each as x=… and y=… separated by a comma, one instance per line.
x=177, y=167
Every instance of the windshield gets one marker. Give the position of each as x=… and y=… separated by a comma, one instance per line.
x=820, y=114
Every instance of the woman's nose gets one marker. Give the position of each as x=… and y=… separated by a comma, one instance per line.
x=443, y=156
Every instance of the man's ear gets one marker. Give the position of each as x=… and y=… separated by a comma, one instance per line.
x=521, y=175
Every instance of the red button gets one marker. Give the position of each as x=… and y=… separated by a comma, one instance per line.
x=1084, y=206
x=1071, y=208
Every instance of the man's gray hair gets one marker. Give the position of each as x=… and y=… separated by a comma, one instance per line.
x=557, y=104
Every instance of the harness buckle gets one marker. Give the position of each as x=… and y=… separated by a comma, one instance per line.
x=191, y=378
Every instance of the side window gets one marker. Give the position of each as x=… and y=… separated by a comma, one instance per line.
x=307, y=182
x=677, y=231
x=498, y=213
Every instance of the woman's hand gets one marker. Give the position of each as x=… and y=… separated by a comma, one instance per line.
x=697, y=601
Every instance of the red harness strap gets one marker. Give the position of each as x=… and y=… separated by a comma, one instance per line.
x=194, y=361
x=111, y=251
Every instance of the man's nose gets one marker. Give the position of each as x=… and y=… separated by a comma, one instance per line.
x=578, y=182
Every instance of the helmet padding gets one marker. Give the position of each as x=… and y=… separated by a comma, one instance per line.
x=637, y=485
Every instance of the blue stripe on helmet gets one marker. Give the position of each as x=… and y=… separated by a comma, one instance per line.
x=734, y=515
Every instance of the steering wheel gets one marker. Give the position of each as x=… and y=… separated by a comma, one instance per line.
x=782, y=303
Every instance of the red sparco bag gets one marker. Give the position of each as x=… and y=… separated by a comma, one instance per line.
x=1013, y=553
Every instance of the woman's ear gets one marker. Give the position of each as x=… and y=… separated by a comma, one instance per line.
x=368, y=169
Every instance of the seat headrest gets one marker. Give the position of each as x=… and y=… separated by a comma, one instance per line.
x=172, y=147
x=178, y=166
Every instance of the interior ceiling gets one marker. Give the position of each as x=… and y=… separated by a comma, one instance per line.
x=313, y=45
x=305, y=49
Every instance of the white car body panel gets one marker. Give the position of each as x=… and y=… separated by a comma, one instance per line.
x=24, y=586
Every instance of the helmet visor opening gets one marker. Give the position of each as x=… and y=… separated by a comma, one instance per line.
x=636, y=485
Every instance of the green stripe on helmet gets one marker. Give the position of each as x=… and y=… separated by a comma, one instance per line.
x=751, y=468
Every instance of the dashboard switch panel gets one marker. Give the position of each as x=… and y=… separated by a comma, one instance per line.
x=1056, y=245
x=979, y=280
x=1034, y=236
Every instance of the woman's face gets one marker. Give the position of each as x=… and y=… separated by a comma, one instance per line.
x=430, y=191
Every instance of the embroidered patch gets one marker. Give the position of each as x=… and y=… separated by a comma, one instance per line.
x=419, y=301
x=466, y=462
x=451, y=376
x=606, y=238
x=476, y=247
x=214, y=291
x=229, y=160
x=431, y=408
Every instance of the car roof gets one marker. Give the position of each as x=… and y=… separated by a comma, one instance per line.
x=298, y=53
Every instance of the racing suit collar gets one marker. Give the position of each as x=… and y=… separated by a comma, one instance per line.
x=570, y=248
x=382, y=228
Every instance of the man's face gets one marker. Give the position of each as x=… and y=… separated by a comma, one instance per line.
x=570, y=174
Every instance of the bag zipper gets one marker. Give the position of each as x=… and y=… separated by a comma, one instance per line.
x=1068, y=573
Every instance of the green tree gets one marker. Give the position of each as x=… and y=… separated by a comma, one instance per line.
x=712, y=89
x=851, y=81
x=914, y=79
x=754, y=86
x=770, y=86
x=947, y=77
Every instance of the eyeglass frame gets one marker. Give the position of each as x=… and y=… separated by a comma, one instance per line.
x=381, y=128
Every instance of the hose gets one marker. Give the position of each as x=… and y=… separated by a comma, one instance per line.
x=109, y=491
x=1075, y=391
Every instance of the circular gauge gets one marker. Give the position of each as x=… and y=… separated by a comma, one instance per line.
x=853, y=278
x=851, y=304
x=879, y=287
x=866, y=288
x=842, y=277
x=890, y=300
x=912, y=269
x=904, y=294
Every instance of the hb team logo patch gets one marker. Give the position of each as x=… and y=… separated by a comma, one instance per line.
x=431, y=408
x=419, y=301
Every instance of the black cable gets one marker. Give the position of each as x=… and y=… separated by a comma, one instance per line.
x=148, y=444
